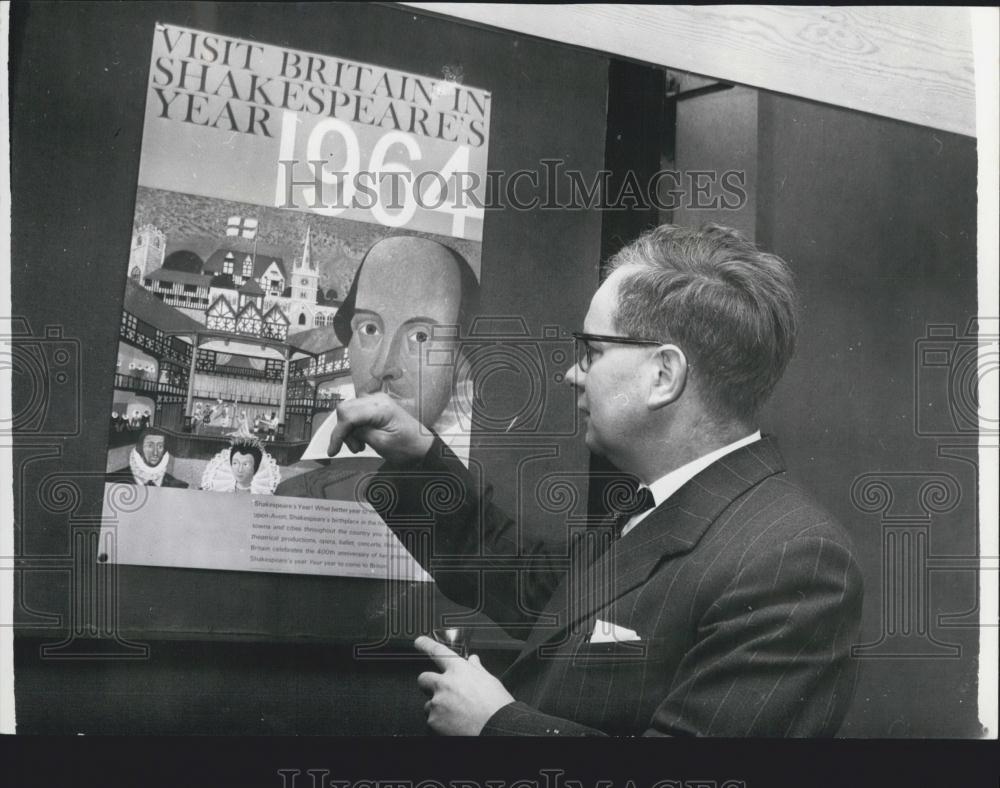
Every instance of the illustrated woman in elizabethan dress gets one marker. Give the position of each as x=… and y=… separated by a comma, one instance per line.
x=244, y=467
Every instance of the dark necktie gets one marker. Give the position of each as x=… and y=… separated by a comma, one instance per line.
x=641, y=502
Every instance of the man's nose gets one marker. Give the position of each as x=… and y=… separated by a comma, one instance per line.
x=575, y=377
x=386, y=365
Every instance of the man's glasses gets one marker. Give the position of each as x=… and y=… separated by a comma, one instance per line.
x=584, y=352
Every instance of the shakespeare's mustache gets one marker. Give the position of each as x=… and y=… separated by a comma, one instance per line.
x=399, y=389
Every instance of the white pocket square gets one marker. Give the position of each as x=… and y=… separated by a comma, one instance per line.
x=606, y=632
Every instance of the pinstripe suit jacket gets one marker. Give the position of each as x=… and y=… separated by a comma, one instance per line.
x=744, y=592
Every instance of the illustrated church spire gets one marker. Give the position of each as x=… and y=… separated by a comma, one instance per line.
x=307, y=262
x=305, y=276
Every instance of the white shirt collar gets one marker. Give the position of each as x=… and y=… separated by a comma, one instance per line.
x=143, y=473
x=667, y=485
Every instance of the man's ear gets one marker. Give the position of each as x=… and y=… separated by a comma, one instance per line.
x=670, y=372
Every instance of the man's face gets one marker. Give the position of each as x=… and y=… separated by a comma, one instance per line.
x=153, y=449
x=407, y=286
x=610, y=394
x=242, y=468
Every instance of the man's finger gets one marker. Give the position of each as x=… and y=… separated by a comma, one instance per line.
x=340, y=432
x=354, y=443
x=443, y=656
x=474, y=659
x=428, y=681
x=343, y=432
x=351, y=414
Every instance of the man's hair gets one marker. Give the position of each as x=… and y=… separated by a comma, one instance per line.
x=729, y=306
x=147, y=432
x=250, y=447
x=468, y=306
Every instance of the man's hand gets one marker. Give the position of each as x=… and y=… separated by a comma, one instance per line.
x=378, y=421
x=464, y=696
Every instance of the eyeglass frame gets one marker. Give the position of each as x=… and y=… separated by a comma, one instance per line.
x=580, y=336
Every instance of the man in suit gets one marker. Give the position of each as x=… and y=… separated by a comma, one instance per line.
x=726, y=608
x=147, y=462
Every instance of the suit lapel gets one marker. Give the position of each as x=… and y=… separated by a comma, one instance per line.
x=672, y=529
